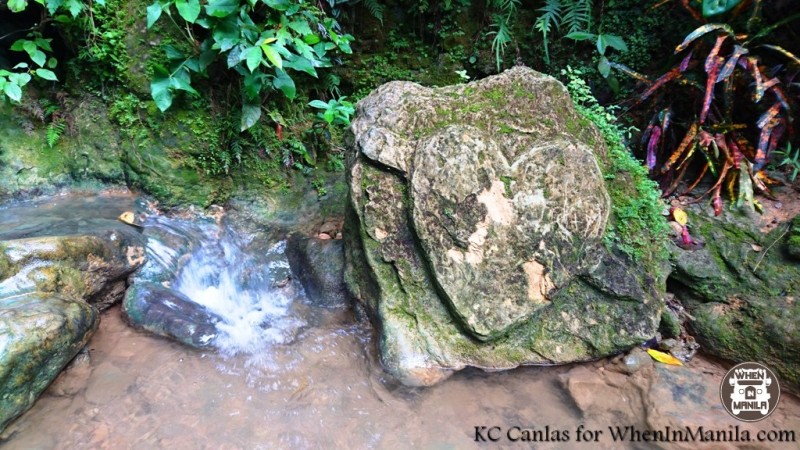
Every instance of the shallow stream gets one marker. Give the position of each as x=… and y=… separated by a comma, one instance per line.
x=313, y=381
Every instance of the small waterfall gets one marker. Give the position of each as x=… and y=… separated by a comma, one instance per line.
x=242, y=279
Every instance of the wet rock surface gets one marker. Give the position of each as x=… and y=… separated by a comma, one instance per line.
x=319, y=265
x=56, y=271
x=473, y=247
x=742, y=290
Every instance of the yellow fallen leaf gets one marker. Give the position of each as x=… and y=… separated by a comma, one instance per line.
x=129, y=218
x=680, y=216
x=665, y=358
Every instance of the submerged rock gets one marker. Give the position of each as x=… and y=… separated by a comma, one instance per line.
x=743, y=292
x=475, y=226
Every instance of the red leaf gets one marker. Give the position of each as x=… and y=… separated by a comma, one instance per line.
x=767, y=117
x=655, y=136
x=752, y=63
x=279, y=131
x=710, y=83
x=664, y=79
x=666, y=119
x=727, y=69
x=687, y=140
x=738, y=156
x=685, y=62
x=763, y=144
x=711, y=59
x=701, y=31
x=717, y=204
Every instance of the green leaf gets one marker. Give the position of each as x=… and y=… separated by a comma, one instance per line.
x=13, y=91
x=253, y=57
x=311, y=39
x=272, y=55
x=301, y=27
x=609, y=40
x=44, y=44
x=253, y=83
x=53, y=5
x=580, y=36
x=17, y=6
x=18, y=45
x=251, y=113
x=188, y=9
x=604, y=67
x=39, y=58
x=302, y=65
x=46, y=74
x=153, y=13
x=159, y=89
x=285, y=84
x=221, y=8
x=75, y=7
x=716, y=7
x=20, y=79
x=226, y=34
x=318, y=104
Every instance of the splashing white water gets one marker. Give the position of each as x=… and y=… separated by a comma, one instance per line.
x=240, y=288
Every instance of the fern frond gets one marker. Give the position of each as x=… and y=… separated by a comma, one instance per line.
x=577, y=15
x=375, y=8
x=54, y=131
x=502, y=37
x=551, y=17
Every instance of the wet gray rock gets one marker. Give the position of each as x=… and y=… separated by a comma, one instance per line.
x=319, y=265
x=474, y=231
x=169, y=313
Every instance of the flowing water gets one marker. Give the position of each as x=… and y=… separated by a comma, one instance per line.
x=289, y=373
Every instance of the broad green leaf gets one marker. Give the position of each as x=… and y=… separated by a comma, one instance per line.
x=188, y=9
x=328, y=115
x=253, y=57
x=272, y=55
x=173, y=53
x=251, y=112
x=44, y=44
x=253, y=83
x=609, y=40
x=153, y=13
x=280, y=5
x=20, y=79
x=30, y=47
x=221, y=8
x=226, y=34
x=301, y=27
x=604, y=67
x=21, y=65
x=285, y=84
x=13, y=91
x=39, y=58
x=311, y=39
x=18, y=45
x=318, y=104
x=580, y=36
x=182, y=81
x=46, y=74
x=53, y=5
x=74, y=6
x=235, y=56
x=17, y=6
x=716, y=7
x=301, y=64
x=159, y=89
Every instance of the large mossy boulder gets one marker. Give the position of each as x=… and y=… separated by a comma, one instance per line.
x=475, y=230
x=742, y=289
